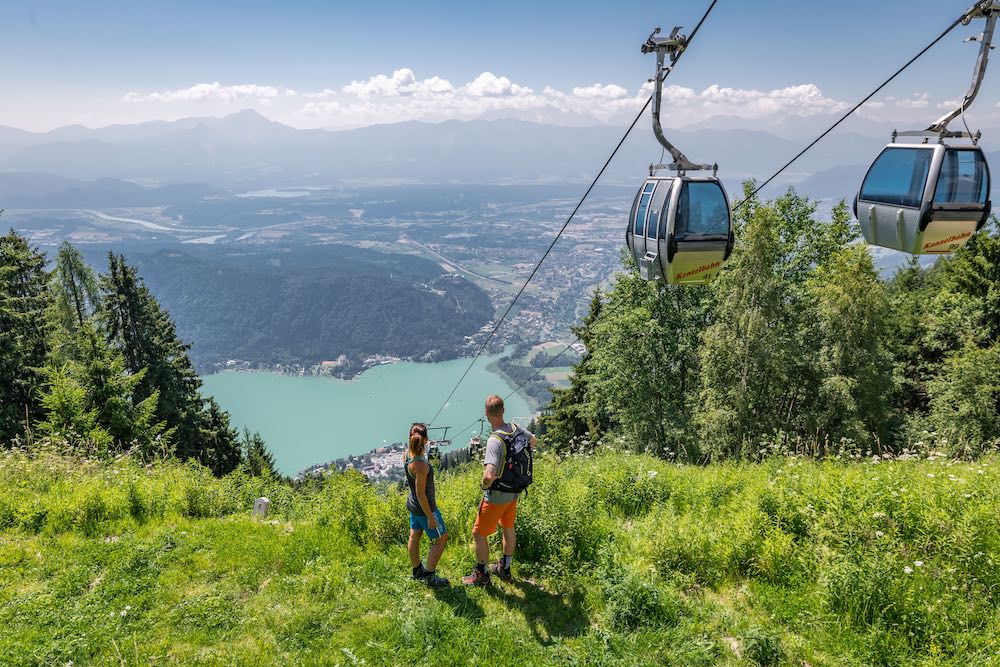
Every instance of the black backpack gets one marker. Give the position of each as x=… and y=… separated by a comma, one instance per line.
x=516, y=466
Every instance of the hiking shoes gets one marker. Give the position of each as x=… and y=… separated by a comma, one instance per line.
x=434, y=581
x=502, y=572
x=421, y=574
x=476, y=578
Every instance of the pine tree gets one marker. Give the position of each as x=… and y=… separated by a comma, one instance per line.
x=571, y=419
x=77, y=294
x=138, y=327
x=258, y=460
x=70, y=421
x=24, y=300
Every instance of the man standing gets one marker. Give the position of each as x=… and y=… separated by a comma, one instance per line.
x=506, y=472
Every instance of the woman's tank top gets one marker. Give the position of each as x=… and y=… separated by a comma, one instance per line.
x=412, y=504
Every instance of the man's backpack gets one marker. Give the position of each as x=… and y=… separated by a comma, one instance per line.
x=516, y=466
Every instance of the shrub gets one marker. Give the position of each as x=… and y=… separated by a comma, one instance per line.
x=763, y=648
x=634, y=602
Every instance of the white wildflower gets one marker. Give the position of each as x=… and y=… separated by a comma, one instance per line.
x=931, y=475
x=918, y=563
x=652, y=474
x=879, y=533
x=908, y=569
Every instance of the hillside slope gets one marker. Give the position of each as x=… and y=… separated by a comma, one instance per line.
x=623, y=560
x=302, y=305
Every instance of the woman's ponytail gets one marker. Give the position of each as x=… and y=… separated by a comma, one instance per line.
x=418, y=439
x=416, y=445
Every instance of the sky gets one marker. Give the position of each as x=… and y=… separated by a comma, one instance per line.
x=350, y=64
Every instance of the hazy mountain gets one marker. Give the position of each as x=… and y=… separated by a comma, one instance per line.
x=246, y=150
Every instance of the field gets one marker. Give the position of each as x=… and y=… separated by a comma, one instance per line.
x=623, y=560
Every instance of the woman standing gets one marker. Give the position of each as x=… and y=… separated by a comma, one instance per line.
x=424, y=514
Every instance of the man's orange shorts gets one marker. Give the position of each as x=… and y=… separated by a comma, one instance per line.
x=490, y=515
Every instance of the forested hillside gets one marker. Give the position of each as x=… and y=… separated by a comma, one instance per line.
x=303, y=305
x=798, y=346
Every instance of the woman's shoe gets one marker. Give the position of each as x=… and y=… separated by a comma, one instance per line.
x=434, y=581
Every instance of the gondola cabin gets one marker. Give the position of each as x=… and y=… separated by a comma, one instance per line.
x=680, y=229
x=924, y=198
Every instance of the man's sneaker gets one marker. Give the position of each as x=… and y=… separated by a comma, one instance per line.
x=501, y=571
x=434, y=581
x=421, y=574
x=476, y=578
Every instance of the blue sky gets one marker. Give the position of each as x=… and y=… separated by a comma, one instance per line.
x=103, y=62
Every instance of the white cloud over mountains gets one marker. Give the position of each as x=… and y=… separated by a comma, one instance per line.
x=214, y=92
x=401, y=96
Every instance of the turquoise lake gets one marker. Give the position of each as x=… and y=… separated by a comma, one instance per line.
x=311, y=419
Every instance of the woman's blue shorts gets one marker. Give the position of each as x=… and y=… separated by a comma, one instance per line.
x=418, y=522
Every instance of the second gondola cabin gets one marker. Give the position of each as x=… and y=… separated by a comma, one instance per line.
x=924, y=198
x=680, y=229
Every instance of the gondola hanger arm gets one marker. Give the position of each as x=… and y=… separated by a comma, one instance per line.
x=989, y=10
x=672, y=45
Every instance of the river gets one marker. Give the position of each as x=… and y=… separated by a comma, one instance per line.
x=311, y=419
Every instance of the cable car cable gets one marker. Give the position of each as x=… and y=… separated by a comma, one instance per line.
x=955, y=24
x=538, y=265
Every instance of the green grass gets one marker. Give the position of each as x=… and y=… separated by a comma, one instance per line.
x=622, y=560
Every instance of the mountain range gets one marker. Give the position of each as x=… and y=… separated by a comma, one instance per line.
x=173, y=162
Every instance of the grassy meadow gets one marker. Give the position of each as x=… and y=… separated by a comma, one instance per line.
x=622, y=560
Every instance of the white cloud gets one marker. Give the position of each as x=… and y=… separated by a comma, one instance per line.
x=402, y=95
x=802, y=100
x=214, y=92
x=597, y=91
x=401, y=83
x=489, y=84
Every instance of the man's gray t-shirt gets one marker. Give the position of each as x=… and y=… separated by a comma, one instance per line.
x=495, y=452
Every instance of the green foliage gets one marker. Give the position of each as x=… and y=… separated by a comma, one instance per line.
x=256, y=457
x=68, y=416
x=763, y=648
x=24, y=300
x=575, y=420
x=146, y=336
x=797, y=346
x=634, y=602
x=965, y=401
x=95, y=366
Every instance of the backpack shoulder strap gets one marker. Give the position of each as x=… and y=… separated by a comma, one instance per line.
x=504, y=437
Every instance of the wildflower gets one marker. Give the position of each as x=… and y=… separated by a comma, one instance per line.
x=879, y=515
x=908, y=569
x=879, y=533
x=918, y=563
x=652, y=474
x=931, y=475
